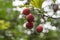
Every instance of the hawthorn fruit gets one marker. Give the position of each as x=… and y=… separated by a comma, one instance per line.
x=26, y=11
x=30, y=18
x=39, y=28
x=29, y=25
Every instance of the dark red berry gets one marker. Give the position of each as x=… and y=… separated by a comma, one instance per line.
x=26, y=11
x=29, y=25
x=30, y=18
x=39, y=28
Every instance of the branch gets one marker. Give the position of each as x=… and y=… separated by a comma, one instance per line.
x=51, y=17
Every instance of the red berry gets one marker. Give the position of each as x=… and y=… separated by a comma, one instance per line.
x=26, y=11
x=30, y=18
x=29, y=25
x=39, y=28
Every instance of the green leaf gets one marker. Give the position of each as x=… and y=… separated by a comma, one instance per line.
x=54, y=0
x=37, y=3
x=2, y=13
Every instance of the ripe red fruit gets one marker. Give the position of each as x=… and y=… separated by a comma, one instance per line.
x=29, y=25
x=26, y=11
x=39, y=28
x=30, y=18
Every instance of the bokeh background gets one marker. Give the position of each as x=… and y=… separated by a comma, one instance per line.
x=13, y=22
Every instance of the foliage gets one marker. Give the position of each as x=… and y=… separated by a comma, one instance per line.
x=37, y=3
x=11, y=27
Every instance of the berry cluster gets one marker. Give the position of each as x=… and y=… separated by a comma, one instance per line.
x=30, y=20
